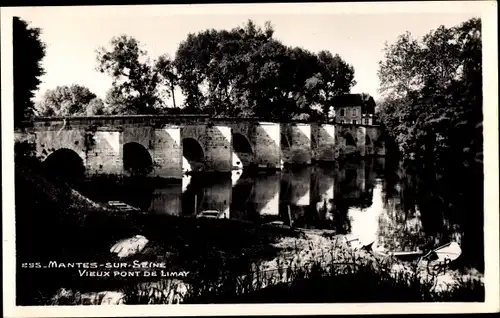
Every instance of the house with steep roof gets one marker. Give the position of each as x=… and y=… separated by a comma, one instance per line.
x=354, y=109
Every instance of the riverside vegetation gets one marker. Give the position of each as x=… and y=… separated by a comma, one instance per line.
x=235, y=262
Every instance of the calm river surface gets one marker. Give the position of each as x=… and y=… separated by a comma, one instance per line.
x=364, y=197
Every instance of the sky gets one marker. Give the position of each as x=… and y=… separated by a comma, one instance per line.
x=73, y=34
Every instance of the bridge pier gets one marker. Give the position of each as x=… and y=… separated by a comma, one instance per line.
x=267, y=146
x=104, y=153
x=296, y=148
x=323, y=142
x=361, y=140
x=218, y=147
x=167, y=152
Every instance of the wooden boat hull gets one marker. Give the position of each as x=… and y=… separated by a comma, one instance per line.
x=444, y=254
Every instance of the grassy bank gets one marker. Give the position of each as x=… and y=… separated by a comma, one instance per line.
x=316, y=274
x=65, y=226
x=315, y=269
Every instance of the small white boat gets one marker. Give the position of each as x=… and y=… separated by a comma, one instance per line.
x=404, y=256
x=443, y=254
x=211, y=214
x=277, y=223
x=121, y=206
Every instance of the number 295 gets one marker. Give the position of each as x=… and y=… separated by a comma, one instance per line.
x=31, y=265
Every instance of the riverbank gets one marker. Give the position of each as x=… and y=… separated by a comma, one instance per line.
x=317, y=267
x=227, y=260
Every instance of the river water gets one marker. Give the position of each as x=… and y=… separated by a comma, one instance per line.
x=369, y=198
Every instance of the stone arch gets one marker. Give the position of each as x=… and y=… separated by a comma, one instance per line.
x=241, y=144
x=137, y=160
x=192, y=150
x=349, y=139
x=193, y=154
x=65, y=164
x=368, y=141
x=368, y=145
x=378, y=145
x=242, y=151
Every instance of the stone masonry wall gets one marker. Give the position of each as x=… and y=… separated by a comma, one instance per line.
x=267, y=146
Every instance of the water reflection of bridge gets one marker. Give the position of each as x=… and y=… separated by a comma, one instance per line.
x=363, y=198
x=308, y=192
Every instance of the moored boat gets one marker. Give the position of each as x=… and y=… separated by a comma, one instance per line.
x=404, y=256
x=442, y=255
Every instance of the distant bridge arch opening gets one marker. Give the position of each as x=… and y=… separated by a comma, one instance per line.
x=368, y=141
x=349, y=139
x=136, y=159
x=192, y=150
x=241, y=144
x=379, y=143
x=65, y=164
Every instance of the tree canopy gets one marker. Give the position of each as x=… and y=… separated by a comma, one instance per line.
x=68, y=101
x=246, y=72
x=140, y=85
x=28, y=52
x=433, y=87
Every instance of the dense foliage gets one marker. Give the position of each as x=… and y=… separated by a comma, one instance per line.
x=433, y=112
x=28, y=52
x=433, y=88
x=240, y=72
x=69, y=101
x=136, y=79
x=246, y=72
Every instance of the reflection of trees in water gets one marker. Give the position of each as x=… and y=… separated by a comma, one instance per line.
x=400, y=231
x=448, y=204
x=342, y=225
x=414, y=218
x=242, y=206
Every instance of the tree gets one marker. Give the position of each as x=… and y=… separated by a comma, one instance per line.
x=246, y=72
x=66, y=101
x=135, y=77
x=337, y=78
x=28, y=52
x=434, y=109
x=167, y=71
x=96, y=107
x=399, y=71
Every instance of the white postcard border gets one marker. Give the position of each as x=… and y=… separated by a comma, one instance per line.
x=486, y=9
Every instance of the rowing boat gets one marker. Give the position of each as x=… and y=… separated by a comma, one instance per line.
x=443, y=254
x=404, y=256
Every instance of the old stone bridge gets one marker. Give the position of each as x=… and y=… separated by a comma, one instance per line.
x=169, y=146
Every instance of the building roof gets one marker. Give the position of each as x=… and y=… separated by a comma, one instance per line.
x=366, y=102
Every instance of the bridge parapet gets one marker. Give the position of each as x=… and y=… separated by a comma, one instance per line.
x=115, y=121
